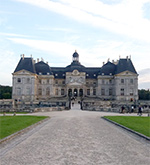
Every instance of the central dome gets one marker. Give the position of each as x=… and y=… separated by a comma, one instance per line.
x=75, y=55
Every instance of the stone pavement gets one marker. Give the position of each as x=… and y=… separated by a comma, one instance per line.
x=76, y=137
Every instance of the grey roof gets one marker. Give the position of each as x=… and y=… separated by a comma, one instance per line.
x=26, y=64
x=125, y=65
x=60, y=72
x=108, y=68
x=42, y=68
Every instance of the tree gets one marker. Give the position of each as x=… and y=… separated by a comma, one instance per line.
x=5, y=92
x=144, y=94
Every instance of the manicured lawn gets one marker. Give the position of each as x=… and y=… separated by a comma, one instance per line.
x=136, y=123
x=12, y=124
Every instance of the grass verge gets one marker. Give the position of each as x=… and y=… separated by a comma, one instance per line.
x=136, y=123
x=12, y=124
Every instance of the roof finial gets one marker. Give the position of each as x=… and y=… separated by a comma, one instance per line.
x=75, y=50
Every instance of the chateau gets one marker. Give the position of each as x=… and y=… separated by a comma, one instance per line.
x=36, y=81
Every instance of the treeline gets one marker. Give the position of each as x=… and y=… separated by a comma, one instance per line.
x=144, y=94
x=5, y=92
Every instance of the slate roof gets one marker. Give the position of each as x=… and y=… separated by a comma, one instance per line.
x=108, y=68
x=43, y=68
x=26, y=64
x=125, y=65
x=60, y=72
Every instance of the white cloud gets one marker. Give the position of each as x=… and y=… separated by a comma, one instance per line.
x=8, y=64
x=13, y=35
x=125, y=18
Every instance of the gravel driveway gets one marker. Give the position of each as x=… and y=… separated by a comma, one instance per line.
x=76, y=137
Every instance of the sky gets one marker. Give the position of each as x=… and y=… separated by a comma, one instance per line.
x=53, y=29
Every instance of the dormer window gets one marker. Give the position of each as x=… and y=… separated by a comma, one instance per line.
x=56, y=74
x=47, y=73
x=87, y=74
x=40, y=73
x=102, y=74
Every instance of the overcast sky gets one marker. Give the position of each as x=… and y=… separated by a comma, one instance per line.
x=53, y=29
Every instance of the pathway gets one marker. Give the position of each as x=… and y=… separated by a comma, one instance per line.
x=76, y=137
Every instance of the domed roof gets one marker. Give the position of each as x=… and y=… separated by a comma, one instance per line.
x=108, y=68
x=43, y=68
x=75, y=54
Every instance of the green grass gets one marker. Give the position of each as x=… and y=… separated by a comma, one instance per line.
x=136, y=123
x=12, y=124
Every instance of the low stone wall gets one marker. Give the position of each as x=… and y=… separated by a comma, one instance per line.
x=49, y=109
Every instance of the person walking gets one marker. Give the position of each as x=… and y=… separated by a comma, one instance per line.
x=140, y=111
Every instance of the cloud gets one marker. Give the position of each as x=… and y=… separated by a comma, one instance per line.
x=125, y=18
x=8, y=64
x=144, y=79
x=13, y=35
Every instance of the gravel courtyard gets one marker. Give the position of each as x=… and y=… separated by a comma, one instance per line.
x=75, y=137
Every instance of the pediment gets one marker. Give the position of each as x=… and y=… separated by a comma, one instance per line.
x=126, y=73
x=23, y=72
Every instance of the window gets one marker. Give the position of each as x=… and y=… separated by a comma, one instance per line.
x=122, y=92
x=110, y=81
x=103, y=81
x=62, y=91
x=47, y=91
x=122, y=81
x=18, y=91
x=94, y=91
x=28, y=80
x=131, y=81
x=47, y=81
x=103, y=91
x=39, y=81
x=110, y=91
x=63, y=82
x=56, y=81
x=40, y=91
x=19, y=80
x=88, y=91
x=28, y=91
x=131, y=92
x=56, y=92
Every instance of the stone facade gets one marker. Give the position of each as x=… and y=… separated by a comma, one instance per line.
x=37, y=81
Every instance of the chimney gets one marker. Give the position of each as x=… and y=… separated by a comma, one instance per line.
x=37, y=59
x=103, y=63
x=23, y=56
